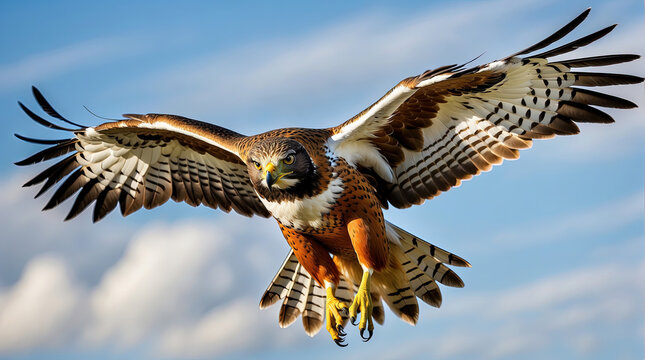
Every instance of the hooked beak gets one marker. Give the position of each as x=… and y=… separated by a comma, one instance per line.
x=269, y=175
x=273, y=175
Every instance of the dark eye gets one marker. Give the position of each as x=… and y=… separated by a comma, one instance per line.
x=257, y=165
x=289, y=159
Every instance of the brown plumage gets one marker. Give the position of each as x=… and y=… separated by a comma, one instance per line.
x=327, y=187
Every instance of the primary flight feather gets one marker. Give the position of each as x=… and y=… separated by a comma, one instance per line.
x=327, y=188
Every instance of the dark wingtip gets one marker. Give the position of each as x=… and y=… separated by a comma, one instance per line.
x=583, y=15
x=40, y=120
x=630, y=105
x=562, y=32
x=576, y=44
x=46, y=106
x=39, y=141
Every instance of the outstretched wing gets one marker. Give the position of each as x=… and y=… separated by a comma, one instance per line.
x=432, y=131
x=142, y=161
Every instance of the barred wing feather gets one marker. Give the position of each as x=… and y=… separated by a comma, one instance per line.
x=434, y=130
x=142, y=161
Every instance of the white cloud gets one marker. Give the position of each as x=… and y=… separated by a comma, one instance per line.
x=151, y=281
x=546, y=293
x=172, y=280
x=230, y=327
x=579, y=310
x=513, y=341
x=165, y=276
x=42, y=308
x=593, y=282
x=27, y=232
x=566, y=308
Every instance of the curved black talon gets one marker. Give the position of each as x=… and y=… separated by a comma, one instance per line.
x=366, y=339
x=353, y=321
x=341, y=330
x=340, y=342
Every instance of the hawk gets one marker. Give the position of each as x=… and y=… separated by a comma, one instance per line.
x=327, y=188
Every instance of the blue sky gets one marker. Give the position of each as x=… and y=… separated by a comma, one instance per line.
x=556, y=238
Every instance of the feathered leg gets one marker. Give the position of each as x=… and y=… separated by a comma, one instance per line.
x=370, y=244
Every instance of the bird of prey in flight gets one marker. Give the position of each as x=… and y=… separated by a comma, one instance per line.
x=327, y=187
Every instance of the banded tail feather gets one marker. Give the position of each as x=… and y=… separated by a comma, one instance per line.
x=295, y=300
x=310, y=306
x=423, y=266
x=394, y=287
x=313, y=315
x=279, y=286
x=301, y=295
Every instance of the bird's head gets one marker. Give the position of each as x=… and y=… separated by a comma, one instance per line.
x=279, y=163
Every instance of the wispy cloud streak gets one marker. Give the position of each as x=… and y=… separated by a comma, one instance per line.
x=38, y=67
x=598, y=220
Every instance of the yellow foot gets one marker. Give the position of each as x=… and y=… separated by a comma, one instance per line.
x=336, y=316
x=363, y=304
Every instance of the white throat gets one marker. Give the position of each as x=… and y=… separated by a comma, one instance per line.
x=306, y=212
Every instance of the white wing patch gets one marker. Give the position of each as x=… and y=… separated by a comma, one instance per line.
x=161, y=125
x=433, y=80
x=352, y=142
x=377, y=115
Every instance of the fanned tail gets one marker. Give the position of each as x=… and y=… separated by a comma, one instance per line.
x=302, y=295
x=424, y=264
x=415, y=269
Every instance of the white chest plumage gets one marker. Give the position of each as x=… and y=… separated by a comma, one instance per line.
x=306, y=212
